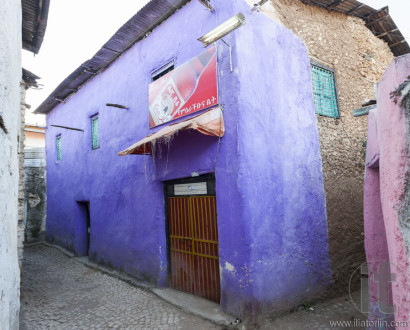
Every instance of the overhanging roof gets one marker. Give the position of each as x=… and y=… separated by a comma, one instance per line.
x=138, y=27
x=209, y=123
x=29, y=78
x=34, y=23
x=377, y=21
x=157, y=11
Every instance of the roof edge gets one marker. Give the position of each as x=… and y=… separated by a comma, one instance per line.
x=40, y=27
x=135, y=29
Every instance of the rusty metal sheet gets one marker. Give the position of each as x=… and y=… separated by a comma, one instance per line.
x=34, y=23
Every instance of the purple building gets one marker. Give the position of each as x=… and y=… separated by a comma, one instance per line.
x=240, y=218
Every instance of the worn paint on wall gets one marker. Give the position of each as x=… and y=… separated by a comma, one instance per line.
x=359, y=59
x=393, y=136
x=377, y=253
x=10, y=76
x=392, y=139
x=269, y=187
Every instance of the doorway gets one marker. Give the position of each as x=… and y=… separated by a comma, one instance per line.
x=193, y=237
x=83, y=228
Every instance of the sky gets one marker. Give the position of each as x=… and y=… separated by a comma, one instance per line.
x=77, y=29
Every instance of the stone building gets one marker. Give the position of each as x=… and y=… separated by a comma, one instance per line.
x=355, y=43
x=16, y=31
x=29, y=80
x=227, y=203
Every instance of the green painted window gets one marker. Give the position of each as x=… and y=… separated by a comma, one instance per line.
x=324, y=91
x=58, y=144
x=95, y=133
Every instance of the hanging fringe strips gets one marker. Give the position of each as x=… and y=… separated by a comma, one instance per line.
x=209, y=123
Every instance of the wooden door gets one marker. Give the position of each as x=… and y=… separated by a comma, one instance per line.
x=193, y=237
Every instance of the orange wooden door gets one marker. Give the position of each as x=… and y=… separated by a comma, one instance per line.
x=193, y=240
x=180, y=240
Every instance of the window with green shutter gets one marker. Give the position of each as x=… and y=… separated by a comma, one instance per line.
x=324, y=91
x=58, y=145
x=95, y=133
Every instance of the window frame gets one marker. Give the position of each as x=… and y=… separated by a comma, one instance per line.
x=59, y=146
x=163, y=70
x=332, y=71
x=93, y=118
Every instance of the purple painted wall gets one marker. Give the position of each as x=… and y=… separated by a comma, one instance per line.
x=272, y=226
x=387, y=184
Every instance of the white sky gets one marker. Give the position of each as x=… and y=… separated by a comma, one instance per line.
x=77, y=29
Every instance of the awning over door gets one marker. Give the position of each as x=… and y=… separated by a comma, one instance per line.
x=209, y=123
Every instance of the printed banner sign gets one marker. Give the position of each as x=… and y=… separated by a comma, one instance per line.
x=189, y=88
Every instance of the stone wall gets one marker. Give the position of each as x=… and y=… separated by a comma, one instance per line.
x=10, y=76
x=20, y=226
x=359, y=59
x=35, y=194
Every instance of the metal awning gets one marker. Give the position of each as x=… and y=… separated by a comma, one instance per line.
x=209, y=123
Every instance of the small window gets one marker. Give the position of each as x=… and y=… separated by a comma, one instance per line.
x=162, y=71
x=324, y=91
x=95, y=133
x=58, y=147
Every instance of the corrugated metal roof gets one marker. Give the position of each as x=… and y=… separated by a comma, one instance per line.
x=34, y=23
x=378, y=21
x=34, y=157
x=157, y=11
x=30, y=78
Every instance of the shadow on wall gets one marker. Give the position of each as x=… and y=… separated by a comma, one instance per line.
x=387, y=195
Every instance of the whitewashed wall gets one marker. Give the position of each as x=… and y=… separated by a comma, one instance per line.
x=10, y=76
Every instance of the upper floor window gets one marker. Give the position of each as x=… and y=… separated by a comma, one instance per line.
x=58, y=147
x=95, y=132
x=324, y=91
x=162, y=71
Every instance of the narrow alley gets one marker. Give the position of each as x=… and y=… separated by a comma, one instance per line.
x=59, y=292
x=204, y=164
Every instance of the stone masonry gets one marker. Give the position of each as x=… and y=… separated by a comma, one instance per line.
x=358, y=58
x=21, y=138
x=35, y=199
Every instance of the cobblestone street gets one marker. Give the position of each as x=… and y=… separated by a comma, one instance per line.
x=60, y=293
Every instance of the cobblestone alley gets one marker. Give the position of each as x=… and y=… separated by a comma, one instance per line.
x=60, y=293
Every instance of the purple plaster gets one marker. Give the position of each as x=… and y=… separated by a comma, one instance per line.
x=272, y=226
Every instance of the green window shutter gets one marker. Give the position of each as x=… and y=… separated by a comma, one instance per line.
x=324, y=91
x=95, y=133
x=58, y=143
